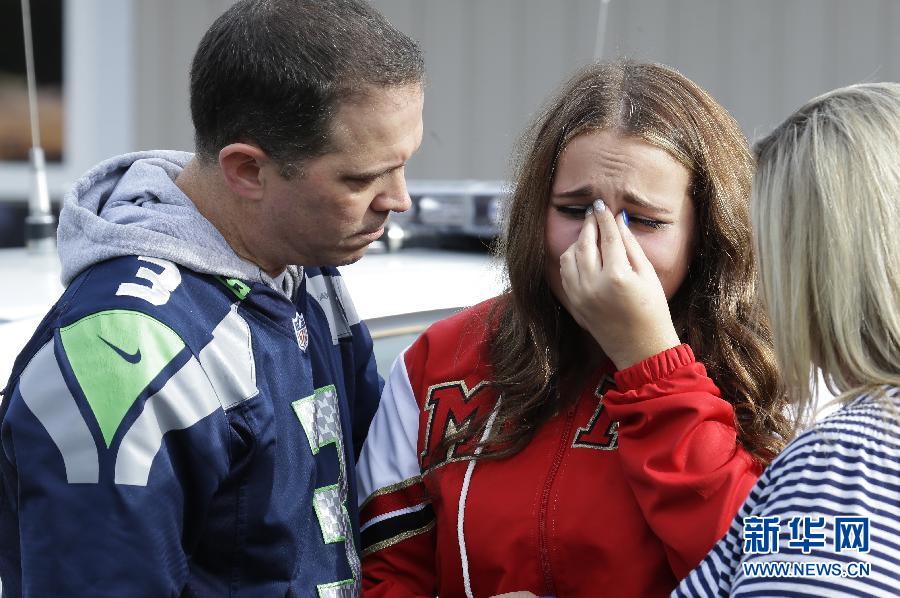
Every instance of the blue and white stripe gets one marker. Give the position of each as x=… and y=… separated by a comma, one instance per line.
x=846, y=465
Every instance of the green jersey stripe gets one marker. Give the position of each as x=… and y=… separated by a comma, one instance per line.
x=114, y=355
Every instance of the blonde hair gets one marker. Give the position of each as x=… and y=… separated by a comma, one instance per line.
x=826, y=210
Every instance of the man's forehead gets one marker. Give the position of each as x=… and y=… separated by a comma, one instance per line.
x=379, y=124
x=377, y=107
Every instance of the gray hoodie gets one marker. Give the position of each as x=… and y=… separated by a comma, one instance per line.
x=130, y=205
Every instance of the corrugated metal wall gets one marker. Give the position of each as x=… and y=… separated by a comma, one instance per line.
x=168, y=32
x=491, y=63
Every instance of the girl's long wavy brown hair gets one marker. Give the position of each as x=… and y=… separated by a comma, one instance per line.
x=716, y=309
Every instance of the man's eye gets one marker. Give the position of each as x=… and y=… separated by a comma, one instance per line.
x=572, y=211
x=361, y=181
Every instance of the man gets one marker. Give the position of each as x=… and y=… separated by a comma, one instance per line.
x=186, y=419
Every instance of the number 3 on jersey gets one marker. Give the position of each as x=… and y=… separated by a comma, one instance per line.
x=161, y=283
x=320, y=417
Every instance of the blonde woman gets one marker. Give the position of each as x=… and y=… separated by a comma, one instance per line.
x=824, y=519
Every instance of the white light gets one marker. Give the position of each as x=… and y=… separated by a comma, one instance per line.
x=429, y=204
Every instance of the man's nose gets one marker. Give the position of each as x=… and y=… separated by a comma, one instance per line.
x=394, y=196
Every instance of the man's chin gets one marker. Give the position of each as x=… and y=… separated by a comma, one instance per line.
x=340, y=256
x=354, y=257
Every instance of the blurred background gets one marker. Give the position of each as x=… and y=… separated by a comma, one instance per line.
x=113, y=77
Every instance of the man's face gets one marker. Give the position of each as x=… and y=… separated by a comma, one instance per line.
x=340, y=202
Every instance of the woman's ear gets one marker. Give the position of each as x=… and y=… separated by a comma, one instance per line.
x=241, y=164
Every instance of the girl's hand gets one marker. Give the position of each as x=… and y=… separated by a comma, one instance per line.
x=613, y=291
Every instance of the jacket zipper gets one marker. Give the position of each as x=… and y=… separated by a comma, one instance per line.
x=543, y=541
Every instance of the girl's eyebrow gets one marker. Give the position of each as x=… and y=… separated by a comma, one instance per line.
x=579, y=193
x=640, y=201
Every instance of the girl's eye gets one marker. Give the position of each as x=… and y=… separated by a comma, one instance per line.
x=572, y=211
x=655, y=224
x=578, y=211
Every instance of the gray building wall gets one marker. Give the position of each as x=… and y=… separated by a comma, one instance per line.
x=491, y=63
x=167, y=33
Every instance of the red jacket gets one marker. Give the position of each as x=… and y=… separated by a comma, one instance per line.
x=620, y=495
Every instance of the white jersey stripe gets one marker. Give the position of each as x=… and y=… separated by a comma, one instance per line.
x=393, y=514
x=228, y=360
x=331, y=293
x=186, y=398
x=48, y=397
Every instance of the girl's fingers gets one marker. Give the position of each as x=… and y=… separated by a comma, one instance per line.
x=587, y=254
x=568, y=269
x=636, y=256
x=612, y=251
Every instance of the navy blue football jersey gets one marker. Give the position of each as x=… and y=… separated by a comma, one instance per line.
x=170, y=433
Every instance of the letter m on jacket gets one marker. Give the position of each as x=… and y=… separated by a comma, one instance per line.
x=451, y=407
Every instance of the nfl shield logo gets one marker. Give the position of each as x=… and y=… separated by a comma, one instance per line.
x=300, y=331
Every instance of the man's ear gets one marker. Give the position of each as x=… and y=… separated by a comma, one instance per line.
x=241, y=164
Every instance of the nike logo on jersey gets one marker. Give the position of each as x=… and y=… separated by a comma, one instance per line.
x=132, y=358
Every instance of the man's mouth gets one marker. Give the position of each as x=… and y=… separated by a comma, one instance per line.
x=373, y=234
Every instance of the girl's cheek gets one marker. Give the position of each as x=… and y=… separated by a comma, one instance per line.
x=659, y=253
x=648, y=244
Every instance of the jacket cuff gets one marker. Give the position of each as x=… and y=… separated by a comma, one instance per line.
x=654, y=368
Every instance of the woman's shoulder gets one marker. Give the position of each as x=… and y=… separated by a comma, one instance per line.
x=869, y=422
x=843, y=471
x=860, y=441
x=454, y=347
x=475, y=320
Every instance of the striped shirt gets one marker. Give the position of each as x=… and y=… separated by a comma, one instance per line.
x=804, y=527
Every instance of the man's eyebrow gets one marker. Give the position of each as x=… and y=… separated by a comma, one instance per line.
x=374, y=174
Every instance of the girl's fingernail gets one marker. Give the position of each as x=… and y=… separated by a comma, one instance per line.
x=625, y=217
x=589, y=211
x=599, y=205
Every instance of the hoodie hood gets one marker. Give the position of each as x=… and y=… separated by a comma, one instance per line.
x=130, y=205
